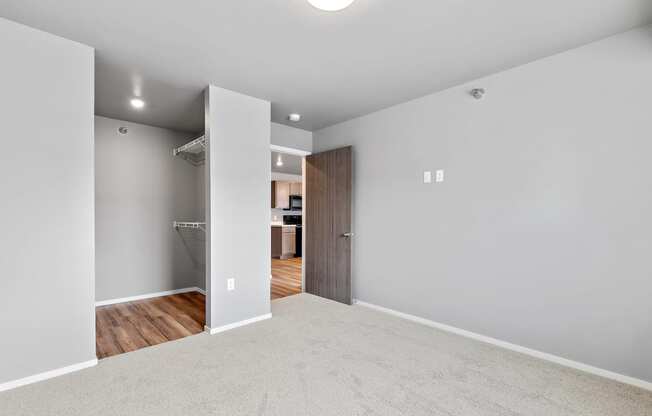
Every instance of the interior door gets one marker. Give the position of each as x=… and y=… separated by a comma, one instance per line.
x=328, y=224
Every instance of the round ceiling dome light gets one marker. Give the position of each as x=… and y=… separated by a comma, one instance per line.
x=137, y=103
x=331, y=5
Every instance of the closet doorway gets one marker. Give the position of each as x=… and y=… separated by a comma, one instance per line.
x=287, y=231
x=150, y=235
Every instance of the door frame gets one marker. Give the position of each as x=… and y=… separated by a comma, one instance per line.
x=303, y=154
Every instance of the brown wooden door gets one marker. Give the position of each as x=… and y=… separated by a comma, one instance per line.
x=328, y=224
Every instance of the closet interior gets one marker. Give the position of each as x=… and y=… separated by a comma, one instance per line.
x=150, y=235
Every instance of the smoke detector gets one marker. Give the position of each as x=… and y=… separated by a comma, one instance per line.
x=478, y=93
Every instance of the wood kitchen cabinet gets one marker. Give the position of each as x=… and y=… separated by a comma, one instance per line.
x=277, y=242
x=289, y=246
x=284, y=241
x=281, y=191
x=296, y=188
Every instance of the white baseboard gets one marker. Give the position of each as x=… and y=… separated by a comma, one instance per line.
x=514, y=347
x=228, y=327
x=149, y=296
x=47, y=375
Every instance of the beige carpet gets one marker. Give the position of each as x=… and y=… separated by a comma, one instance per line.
x=316, y=357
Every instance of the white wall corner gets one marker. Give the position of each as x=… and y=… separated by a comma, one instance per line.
x=234, y=325
x=47, y=375
x=646, y=385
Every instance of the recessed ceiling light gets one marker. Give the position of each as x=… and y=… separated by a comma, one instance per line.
x=279, y=161
x=294, y=117
x=331, y=5
x=137, y=103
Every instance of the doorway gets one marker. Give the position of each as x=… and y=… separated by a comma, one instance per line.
x=312, y=231
x=150, y=235
x=287, y=232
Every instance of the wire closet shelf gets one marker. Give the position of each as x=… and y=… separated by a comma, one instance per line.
x=181, y=225
x=193, y=152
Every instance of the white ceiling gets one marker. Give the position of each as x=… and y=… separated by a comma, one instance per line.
x=329, y=67
x=292, y=164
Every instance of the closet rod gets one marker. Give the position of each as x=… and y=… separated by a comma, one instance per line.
x=189, y=225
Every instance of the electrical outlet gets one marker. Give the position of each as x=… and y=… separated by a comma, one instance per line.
x=427, y=177
x=230, y=284
x=439, y=176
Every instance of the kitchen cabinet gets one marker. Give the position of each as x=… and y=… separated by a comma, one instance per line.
x=281, y=191
x=296, y=188
x=277, y=241
x=289, y=238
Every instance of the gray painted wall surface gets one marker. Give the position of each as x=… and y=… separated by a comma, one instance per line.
x=292, y=137
x=140, y=190
x=47, y=278
x=238, y=206
x=541, y=233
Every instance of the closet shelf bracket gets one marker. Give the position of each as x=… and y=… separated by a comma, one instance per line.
x=194, y=152
x=189, y=225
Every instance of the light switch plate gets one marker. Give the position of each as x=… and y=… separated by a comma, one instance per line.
x=439, y=177
x=230, y=284
x=427, y=177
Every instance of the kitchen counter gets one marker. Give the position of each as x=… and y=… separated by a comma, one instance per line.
x=286, y=240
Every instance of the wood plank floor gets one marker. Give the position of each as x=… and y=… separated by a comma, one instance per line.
x=286, y=277
x=130, y=326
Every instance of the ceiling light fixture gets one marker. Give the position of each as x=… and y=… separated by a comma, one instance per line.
x=294, y=117
x=331, y=5
x=279, y=161
x=137, y=103
x=478, y=93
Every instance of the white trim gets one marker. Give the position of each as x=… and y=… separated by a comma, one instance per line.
x=47, y=375
x=149, y=296
x=277, y=176
x=289, y=150
x=514, y=347
x=234, y=325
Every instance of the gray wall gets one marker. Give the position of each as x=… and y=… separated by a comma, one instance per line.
x=47, y=263
x=239, y=192
x=140, y=190
x=541, y=233
x=286, y=136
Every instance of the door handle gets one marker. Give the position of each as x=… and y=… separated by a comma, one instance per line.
x=348, y=235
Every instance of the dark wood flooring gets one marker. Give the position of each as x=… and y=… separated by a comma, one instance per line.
x=130, y=326
x=286, y=277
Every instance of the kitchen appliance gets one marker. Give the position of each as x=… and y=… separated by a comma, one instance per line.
x=297, y=221
x=296, y=203
x=292, y=220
